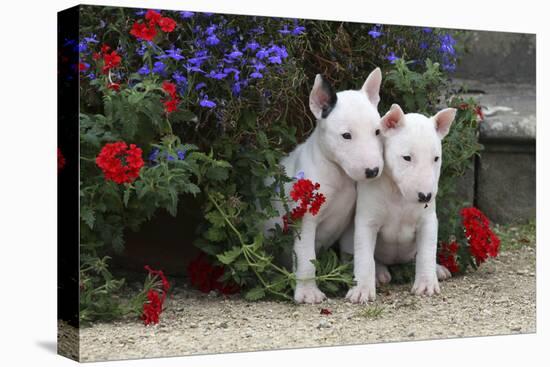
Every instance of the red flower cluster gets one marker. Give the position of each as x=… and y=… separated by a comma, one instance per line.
x=110, y=60
x=147, y=30
x=114, y=86
x=205, y=276
x=119, y=162
x=446, y=256
x=303, y=192
x=483, y=242
x=60, y=160
x=152, y=308
x=170, y=104
x=325, y=311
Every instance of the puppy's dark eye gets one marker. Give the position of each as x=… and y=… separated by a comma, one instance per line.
x=346, y=136
x=377, y=132
x=436, y=159
x=407, y=158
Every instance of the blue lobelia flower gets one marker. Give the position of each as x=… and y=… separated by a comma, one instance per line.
x=179, y=78
x=186, y=14
x=181, y=154
x=212, y=40
x=447, y=44
x=252, y=45
x=375, y=32
x=235, y=54
x=236, y=88
x=298, y=30
x=173, y=53
x=153, y=156
x=158, y=67
x=82, y=47
x=275, y=59
x=423, y=45
x=262, y=54
x=285, y=30
x=426, y=30
x=205, y=102
x=299, y=176
x=391, y=57
x=256, y=75
x=169, y=157
x=144, y=70
x=216, y=75
x=200, y=85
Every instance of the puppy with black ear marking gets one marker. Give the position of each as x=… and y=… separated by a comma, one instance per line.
x=395, y=218
x=345, y=147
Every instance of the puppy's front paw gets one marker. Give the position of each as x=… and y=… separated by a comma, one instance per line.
x=361, y=294
x=308, y=293
x=426, y=285
x=442, y=272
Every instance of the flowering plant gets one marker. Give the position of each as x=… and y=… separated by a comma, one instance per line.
x=201, y=107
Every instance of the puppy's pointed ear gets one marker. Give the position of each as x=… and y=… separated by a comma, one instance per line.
x=392, y=120
x=443, y=120
x=372, y=86
x=322, y=98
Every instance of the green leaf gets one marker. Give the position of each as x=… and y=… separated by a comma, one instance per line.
x=229, y=256
x=255, y=294
x=88, y=216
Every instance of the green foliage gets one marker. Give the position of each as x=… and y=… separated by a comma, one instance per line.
x=233, y=151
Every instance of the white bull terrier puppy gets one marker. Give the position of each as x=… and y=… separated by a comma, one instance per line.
x=343, y=148
x=395, y=216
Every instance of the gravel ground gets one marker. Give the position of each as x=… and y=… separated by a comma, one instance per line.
x=497, y=299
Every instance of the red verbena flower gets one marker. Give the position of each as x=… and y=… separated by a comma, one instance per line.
x=167, y=24
x=152, y=308
x=325, y=311
x=82, y=66
x=114, y=86
x=60, y=160
x=446, y=256
x=205, y=276
x=153, y=17
x=303, y=192
x=169, y=88
x=119, y=162
x=483, y=243
x=479, y=113
x=111, y=61
x=143, y=31
x=162, y=277
x=171, y=105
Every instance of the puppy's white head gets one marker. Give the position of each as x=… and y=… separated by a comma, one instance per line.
x=412, y=150
x=349, y=126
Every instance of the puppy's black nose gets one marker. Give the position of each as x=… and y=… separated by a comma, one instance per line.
x=371, y=173
x=424, y=198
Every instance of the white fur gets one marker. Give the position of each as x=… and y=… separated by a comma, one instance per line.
x=335, y=163
x=391, y=225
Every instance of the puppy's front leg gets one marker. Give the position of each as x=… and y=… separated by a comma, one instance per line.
x=425, y=281
x=304, y=249
x=363, y=263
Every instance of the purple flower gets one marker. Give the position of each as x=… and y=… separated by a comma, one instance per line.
x=299, y=176
x=153, y=155
x=298, y=30
x=211, y=29
x=205, y=102
x=169, y=157
x=375, y=32
x=144, y=70
x=262, y=54
x=140, y=13
x=256, y=75
x=391, y=58
x=91, y=76
x=278, y=51
x=174, y=53
x=200, y=85
x=252, y=45
x=186, y=14
x=212, y=40
x=447, y=44
x=82, y=47
x=158, y=67
x=216, y=75
x=235, y=54
x=275, y=59
x=92, y=39
x=285, y=30
x=423, y=45
x=426, y=30
x=236, y=88
x=181, y=154
x=179, y=78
